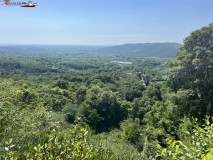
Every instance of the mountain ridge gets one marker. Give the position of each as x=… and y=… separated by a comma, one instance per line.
x=161, y=50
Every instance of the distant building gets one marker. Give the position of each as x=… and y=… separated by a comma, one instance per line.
x=129, y=73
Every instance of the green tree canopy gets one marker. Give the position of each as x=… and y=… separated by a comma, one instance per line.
x=102, y=110
x=194, y=72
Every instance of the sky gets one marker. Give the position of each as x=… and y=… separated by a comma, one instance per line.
x=103, y=22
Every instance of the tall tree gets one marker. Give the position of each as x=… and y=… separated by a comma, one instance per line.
x=193, y=75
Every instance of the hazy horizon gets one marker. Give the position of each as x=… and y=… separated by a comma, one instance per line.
x=83, y=45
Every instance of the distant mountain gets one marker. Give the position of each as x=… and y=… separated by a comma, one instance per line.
x=161, y=50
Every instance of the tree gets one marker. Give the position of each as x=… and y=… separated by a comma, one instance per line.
x=62, y=84
x=142, y=105
x=193, y=72
x=131, y=131
x=103, y=110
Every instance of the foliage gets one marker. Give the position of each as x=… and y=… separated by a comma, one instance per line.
x=16, y=114
x=131, y=131
x=126, y=110
x=100, y=109
x=120, y=148
x=195, y=144
x=73, y=144
x=141, y=106
x=193, y=73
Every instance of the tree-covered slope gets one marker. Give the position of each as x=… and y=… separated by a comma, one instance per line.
x=71, y=106
x=163, y=50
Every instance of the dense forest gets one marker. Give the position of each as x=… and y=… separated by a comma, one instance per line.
x=71, y=103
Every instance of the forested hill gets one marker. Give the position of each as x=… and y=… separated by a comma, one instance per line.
x=162, y=50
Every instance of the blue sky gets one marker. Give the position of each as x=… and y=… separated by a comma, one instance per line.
x=103, y=22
